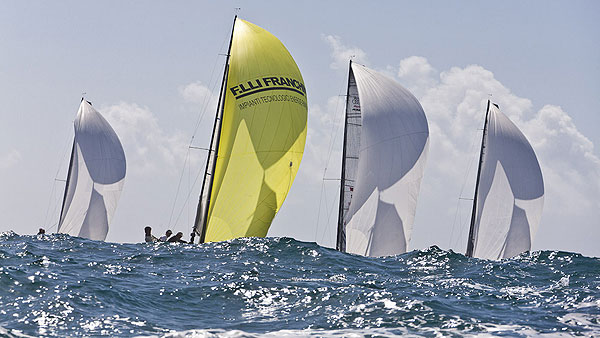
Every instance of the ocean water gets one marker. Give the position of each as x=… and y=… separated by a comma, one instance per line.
x=57, y=285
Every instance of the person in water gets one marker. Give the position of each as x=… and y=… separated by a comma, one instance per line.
x=177, y=238
x=41, y=231
x=149, y=237
x=166, y=236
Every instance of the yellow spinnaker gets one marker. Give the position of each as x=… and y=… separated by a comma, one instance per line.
x=263, y=133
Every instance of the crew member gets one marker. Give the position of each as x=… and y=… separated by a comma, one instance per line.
x=149, y=237
x=177, y=238
x=166, y=236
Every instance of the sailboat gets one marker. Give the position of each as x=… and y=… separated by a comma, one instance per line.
x=257, y=141
x=386, y=140
x=509, y=192
x=95, y=178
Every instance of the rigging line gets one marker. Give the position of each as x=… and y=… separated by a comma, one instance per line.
x=55, y=210
x=333, y=135
x=199, y=148
x=453, y=224
x=335, y=200
x=202, y=113
x=52, y=192
x=319, y=211
x=54, y=225
x=334, y=128
x=326, y=214
x=204, y=106
x=187, y=156
x=330, y=150
x=474, y=138
x=461, y=230
x=65, y=148
x=214, y=81
x=189, y=185
x=473, y=157
x=187, y=198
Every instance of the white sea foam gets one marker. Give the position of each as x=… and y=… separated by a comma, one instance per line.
x=490, y=330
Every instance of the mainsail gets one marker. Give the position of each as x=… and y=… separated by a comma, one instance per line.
x=509, y=193
x=95, y=179
x=386, y=139
x=258, y=138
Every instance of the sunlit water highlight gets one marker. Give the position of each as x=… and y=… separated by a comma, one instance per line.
x=57, y=285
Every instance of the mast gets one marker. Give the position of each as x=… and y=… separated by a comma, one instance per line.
x=62, y=209
x=471, y=238
x=202, y=215
x=341, y=236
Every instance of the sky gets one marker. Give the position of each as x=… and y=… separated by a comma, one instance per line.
x=153, y=70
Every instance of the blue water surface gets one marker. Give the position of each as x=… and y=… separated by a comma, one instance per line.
x=58, y=285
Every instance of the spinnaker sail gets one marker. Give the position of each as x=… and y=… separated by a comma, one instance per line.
x=386, y=140
x=95, y=178
x=258, y=138
x=509, y=192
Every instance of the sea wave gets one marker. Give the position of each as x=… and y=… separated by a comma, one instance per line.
x=58, y=285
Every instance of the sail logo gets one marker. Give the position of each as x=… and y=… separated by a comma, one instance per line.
x=271, y=98
x=267, y=83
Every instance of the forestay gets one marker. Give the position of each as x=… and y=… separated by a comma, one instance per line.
x=393, y=149
x=95, y=179
x=261, y=139
x=511, y=191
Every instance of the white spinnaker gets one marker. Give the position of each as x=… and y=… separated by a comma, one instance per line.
x=96, y=177
x=392, y=156
x=511, y=192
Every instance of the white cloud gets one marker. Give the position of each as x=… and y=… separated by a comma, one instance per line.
x=455, y=107
x=202, y=103
x=341, y=53
x=161, y=171
x=148, y=148
x=417, y=72
x=454, y=101
x=196, y=92
x=321, y=150
x=10, y=159
x=568, y=160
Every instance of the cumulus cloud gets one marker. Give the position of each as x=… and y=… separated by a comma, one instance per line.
x=148, y=148
x=323, y=140
x=418, y=72
x=454, y=101
x=455, y=105
x=202, y=103
x=197, y=92
x=568, y=159
x=341, y=53
x=9, y=159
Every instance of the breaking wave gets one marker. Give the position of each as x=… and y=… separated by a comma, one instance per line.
x=57, y=285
